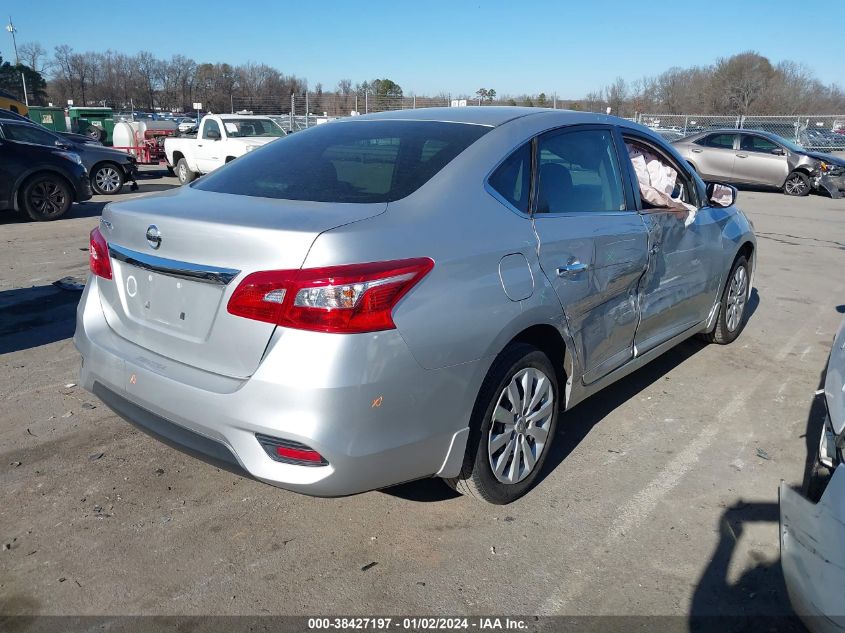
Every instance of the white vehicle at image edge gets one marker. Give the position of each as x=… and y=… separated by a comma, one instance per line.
x=221, y=138
x=406, y=295
x=812, y=528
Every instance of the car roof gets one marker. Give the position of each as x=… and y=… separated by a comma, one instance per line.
x=733, y=130
x=242, y=116
x=492, y=116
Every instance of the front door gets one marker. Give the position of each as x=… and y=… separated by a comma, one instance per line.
x=593, y=244
x=756, y=164
x=209, y=149
x=680, y=284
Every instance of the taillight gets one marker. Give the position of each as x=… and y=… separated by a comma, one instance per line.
x=98, y=255
x=348, y=299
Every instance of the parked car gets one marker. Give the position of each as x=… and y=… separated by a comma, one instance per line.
x=753, y=157
x=812, y=527
x=108, y=168
x=42, y=181
x=221, y=139
x=820, y=140
x=404, y=295
x=669, y=134
x=71, y=136
x=186, y=124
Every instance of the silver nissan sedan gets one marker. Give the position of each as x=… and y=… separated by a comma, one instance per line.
x=405, y=295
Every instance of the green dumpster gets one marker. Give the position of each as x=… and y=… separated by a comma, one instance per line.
x=98, y=123
x=51, y=118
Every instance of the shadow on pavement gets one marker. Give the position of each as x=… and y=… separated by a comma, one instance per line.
x=31, y=317
x=758, y=599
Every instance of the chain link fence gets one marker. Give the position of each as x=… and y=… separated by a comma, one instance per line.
x=823, y=133
x=297, y=112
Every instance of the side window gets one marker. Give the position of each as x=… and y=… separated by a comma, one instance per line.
x=720, y=141
x=752, y=143
x=663, y=184
x=578, y=171
x=28, y=134
x=512, y=179
x=211, y=124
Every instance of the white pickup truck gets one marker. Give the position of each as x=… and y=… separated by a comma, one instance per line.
x=220, y=139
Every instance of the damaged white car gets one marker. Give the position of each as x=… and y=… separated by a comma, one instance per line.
x=812, y=528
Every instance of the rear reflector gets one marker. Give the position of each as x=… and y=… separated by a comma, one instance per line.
x=289, y=451
x=340, y=299
x=98, y=255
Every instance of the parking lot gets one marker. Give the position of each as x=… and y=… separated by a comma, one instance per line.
x=659, y=497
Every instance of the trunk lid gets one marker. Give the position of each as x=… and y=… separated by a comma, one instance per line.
x=171, y=300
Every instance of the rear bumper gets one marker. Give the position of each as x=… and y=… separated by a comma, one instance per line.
x=361, y=401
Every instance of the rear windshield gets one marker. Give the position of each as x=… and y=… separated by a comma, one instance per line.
x=356, y=161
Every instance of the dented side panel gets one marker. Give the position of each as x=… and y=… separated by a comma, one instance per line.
x=812, y=542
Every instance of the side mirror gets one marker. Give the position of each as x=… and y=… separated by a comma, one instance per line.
x=721, y=195
x=213, y=135
x=778, y=151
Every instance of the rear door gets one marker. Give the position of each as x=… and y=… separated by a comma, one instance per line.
x=756, y=164
x=715, y=155
x=593, y=244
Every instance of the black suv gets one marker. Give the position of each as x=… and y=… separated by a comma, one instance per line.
x=42, y=181
x=108, y=168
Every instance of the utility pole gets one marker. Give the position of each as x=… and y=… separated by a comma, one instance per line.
x=11, y=28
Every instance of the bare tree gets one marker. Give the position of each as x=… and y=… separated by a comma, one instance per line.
x=33, y=55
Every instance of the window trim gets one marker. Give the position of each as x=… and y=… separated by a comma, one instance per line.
x=681, y=167
x=623, y=172
x=489, y=188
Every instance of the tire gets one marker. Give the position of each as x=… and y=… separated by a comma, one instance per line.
x=733, y=304
x=96, y=133
x=46, y=197
x=817, y=480
x=107, y=179
x=184, y=173
x=797, y=184
x=514, y=439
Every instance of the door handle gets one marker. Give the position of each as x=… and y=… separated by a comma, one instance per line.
x=696, y=151
x=571, y=268
x=199, y=145
x=742, y=155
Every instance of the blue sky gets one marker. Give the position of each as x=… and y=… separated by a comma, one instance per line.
x=427, y=47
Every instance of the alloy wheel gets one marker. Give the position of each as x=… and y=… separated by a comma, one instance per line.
x=796, y=186
x=107, y=179
x=737, y=295
x=520, y=425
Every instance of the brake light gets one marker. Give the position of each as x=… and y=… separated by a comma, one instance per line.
x=98, y=255
x=340, y=299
